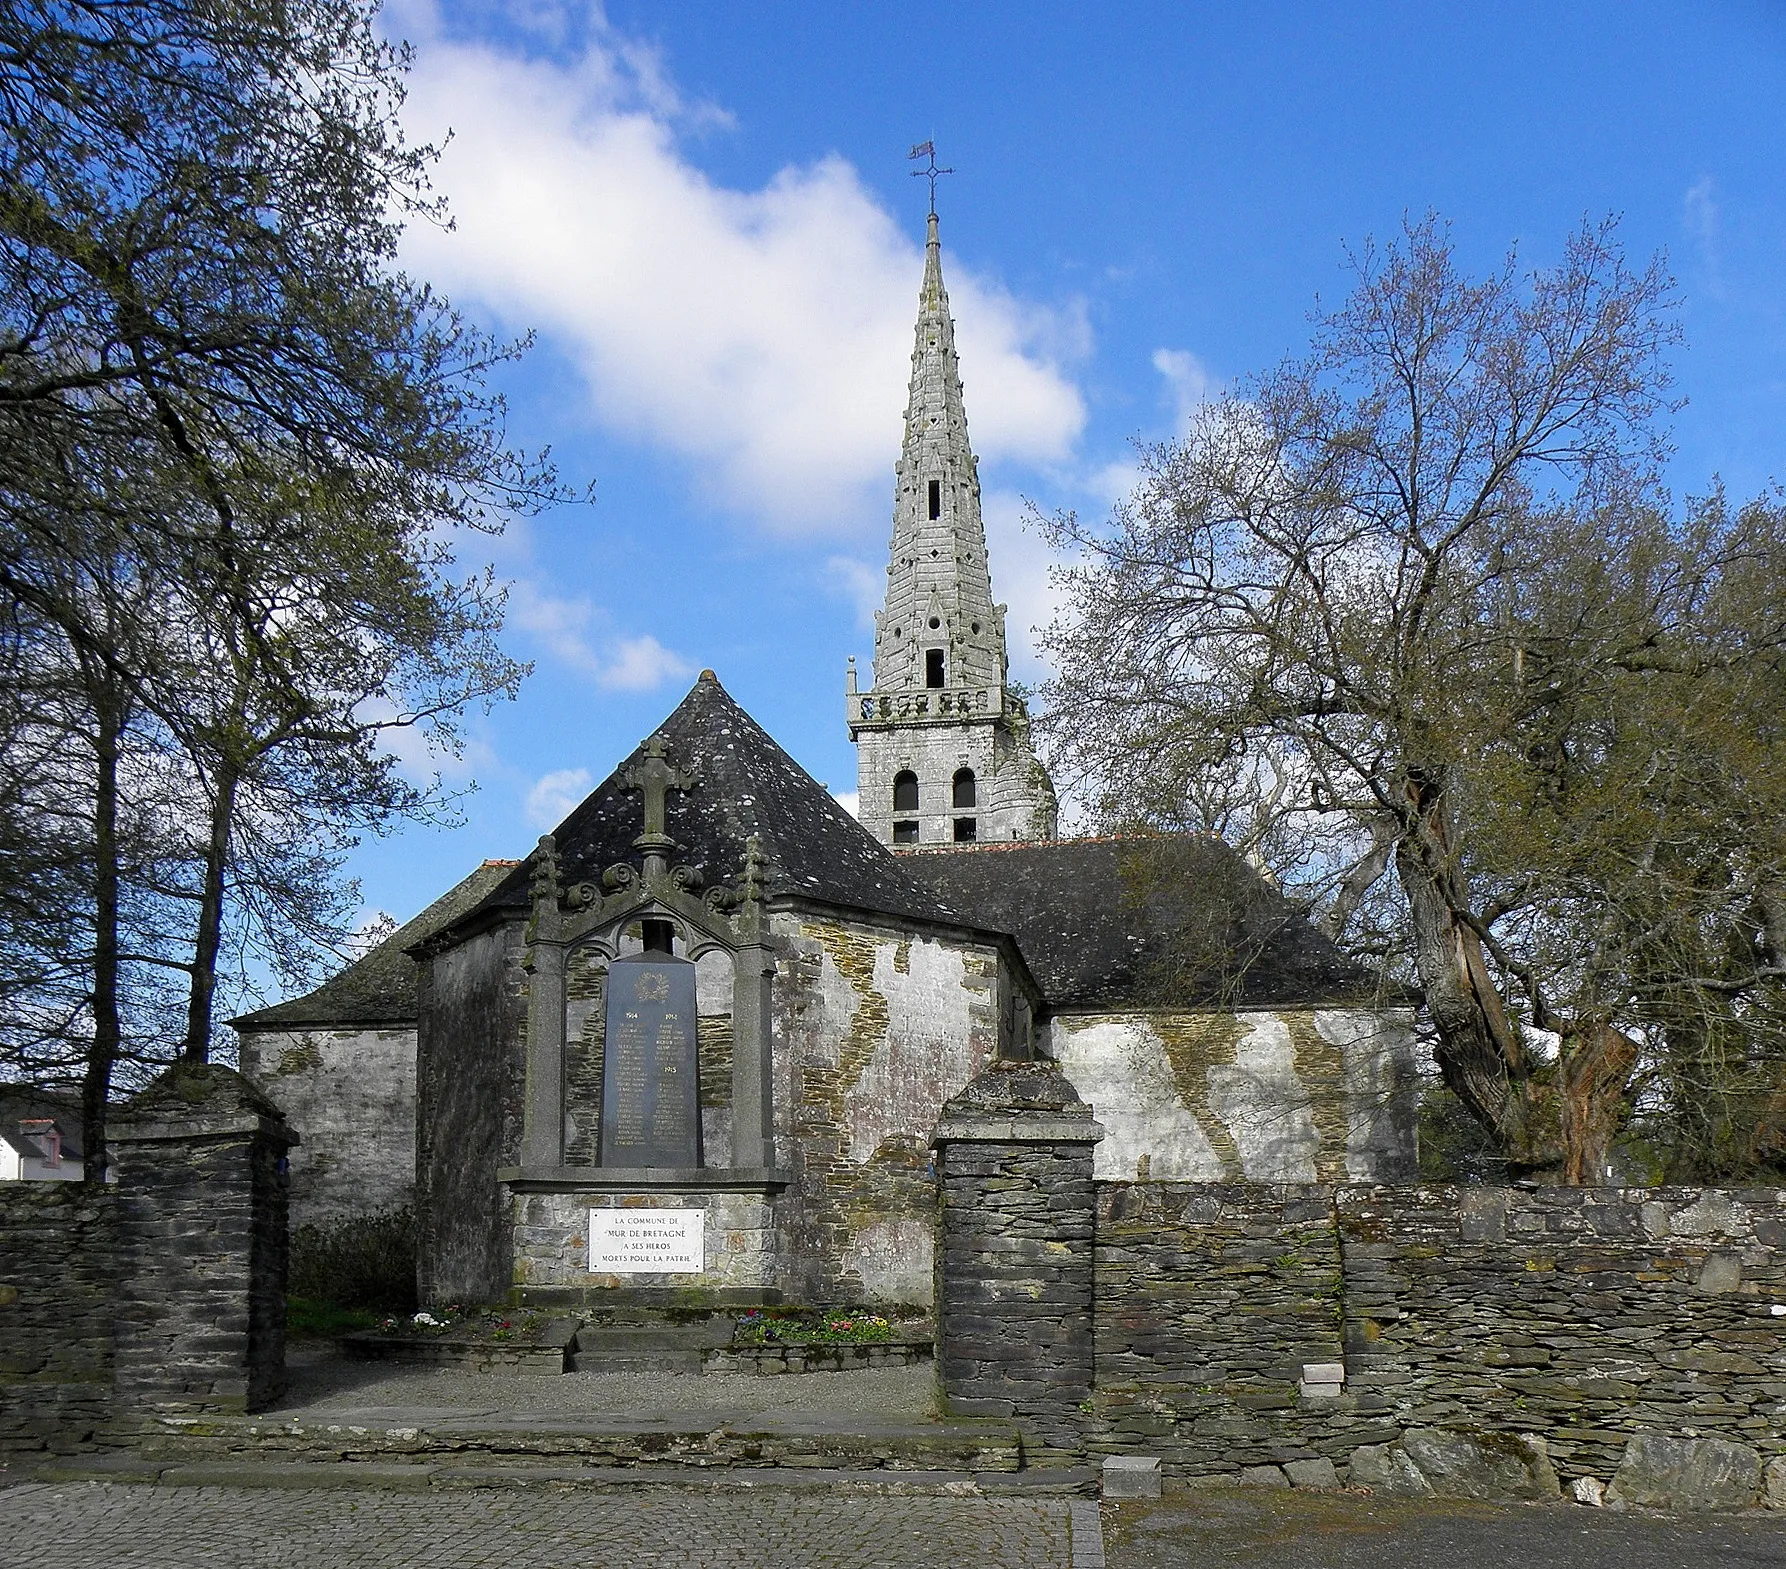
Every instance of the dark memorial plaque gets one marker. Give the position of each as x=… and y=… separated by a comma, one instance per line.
x=651, y=1113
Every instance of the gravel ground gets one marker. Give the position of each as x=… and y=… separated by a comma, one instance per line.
x=1292, y=1530
x=322, y=1382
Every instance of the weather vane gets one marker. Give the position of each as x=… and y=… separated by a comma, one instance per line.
x=928, y=150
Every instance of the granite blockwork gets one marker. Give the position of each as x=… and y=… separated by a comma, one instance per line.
x=163, y=1292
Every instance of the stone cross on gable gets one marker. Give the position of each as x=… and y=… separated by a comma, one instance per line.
x=655, y=777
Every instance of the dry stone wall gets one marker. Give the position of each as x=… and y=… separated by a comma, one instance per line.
x=162, y=1292
x=1552, y=1326
x=59, y=1265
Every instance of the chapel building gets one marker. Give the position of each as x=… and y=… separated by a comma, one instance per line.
x=714, y=995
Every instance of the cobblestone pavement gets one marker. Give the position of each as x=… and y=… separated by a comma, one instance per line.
x=1286, y=1530
x=122, y=1527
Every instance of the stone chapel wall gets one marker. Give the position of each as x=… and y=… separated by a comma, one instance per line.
x=470, y=1076
x=875, y=1029
x=350, y=1093
x=1297, y=1095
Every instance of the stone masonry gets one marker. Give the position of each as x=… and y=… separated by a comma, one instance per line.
x=202, y=1185
x=162, y=1292
x=59, y=1264
x=1014, y=1289
x=940, y=709
x=1583, y=1318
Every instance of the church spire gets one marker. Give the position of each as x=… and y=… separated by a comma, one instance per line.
x=943, y=752
x=939, y=594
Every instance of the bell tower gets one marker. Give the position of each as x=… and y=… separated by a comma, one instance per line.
x=943, y=752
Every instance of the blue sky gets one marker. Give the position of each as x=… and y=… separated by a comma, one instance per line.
x=705, y=213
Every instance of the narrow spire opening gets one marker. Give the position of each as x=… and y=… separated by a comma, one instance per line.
x=933, y=667
x=936, y=499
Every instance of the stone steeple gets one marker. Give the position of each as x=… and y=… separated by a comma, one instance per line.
x=939, y=712
x=938, y=568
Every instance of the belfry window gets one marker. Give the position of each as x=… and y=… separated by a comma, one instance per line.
x=964, y=789
x=933, y=667
x=936, y=499
x=966, y=830
x=905, y=791
x=905, y=833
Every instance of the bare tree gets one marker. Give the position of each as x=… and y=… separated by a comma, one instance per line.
x=1413, y=602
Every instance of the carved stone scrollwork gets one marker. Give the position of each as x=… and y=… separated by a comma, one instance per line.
x=723, y=899
x=756, y=871
x=619, y=876
x=687, y=878
x=543, y=884
x=579, y=896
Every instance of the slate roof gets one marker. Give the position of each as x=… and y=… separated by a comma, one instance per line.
x=1143, y=922
x=19, y=1103
x=747, y=785
x=379, y=988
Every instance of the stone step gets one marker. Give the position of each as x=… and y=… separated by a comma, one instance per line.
x=642, y=1360
x=593, y=1337
x=646, y=1347
x=692, y=1441
x=419, y=1475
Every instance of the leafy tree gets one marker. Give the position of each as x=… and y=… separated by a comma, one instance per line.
x=1415, y=604
x=236, y=445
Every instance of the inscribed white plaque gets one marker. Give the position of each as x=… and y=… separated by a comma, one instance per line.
x=647, y=1241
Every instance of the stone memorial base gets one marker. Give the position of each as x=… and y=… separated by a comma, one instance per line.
x=551, y=1214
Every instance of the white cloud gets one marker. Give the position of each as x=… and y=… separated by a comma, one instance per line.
x=642, y=663
x=572, y=630
x=1699, y=213
x=1188, y=381
x=555, y=795
x=1022, y=561
x=762, y=334
x=863, y=585
x=849, y=800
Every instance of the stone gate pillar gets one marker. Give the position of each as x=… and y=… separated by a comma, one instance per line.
x=202, y=1190
x=1014, y=1254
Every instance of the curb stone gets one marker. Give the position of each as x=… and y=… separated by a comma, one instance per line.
x=1087, y=1534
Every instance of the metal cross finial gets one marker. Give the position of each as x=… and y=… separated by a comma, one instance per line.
x=928, y=150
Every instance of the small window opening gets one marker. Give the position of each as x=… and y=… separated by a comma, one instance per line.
x=658, y=936
x=905, y=833
x=936, y=499
x=965, y=830
x=964, y=788
x=905, y=791
x=933, y=667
